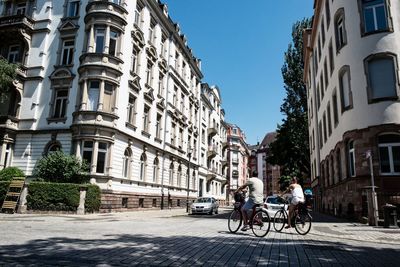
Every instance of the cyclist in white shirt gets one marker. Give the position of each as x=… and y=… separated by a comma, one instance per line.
x=297, y=197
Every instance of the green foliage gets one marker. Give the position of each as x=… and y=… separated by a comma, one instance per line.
x=53, y=196
x=93, y=200
x=61, y=168
x=61, y=197
x=7, y=174
x=7, y=74
x=291, y=147
x=3, y=190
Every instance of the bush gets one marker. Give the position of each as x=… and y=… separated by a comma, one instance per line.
x=53, y=196
x=3, y=190
x=61, y=197
x=58, y=167
x=9, y=173
x=93, y=199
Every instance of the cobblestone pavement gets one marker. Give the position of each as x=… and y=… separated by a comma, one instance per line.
x=171, y=238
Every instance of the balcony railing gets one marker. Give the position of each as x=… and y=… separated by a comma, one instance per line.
x=17, y=21
x=212, y=129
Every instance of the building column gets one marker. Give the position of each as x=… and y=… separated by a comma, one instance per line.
x=107, y=40
x=94, y=157
x=110, y=159
x=91, y=40
x=78, y=153
x=84, y=95
x=101, y=96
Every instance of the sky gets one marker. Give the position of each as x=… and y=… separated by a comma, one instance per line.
x=241, y=45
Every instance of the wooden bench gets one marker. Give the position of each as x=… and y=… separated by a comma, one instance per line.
x=14, y=192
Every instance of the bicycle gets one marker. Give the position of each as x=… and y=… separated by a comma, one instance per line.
x=302, y=220
x=260, y=222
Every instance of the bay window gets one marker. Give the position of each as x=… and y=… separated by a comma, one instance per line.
x=99, y=39
x=389, y=153
x=374, y=16
x=93, y=95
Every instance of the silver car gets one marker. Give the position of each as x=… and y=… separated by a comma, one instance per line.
x=207, y=205
x=273, y=204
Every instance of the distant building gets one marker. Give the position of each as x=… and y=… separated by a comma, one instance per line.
x=352, y=77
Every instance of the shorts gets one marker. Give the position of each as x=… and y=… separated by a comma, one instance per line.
x=248, y=206
x=297, y=200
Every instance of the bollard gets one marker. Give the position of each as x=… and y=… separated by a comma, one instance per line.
x=82, y=198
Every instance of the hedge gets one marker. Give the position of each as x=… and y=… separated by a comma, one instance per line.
x=3, y=190
x=61, y=197
x=9, y=173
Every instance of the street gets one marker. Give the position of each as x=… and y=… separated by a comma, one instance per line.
x=172, y=238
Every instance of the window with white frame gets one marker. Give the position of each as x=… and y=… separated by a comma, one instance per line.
x=73, y=8
x=126, y=163
x=171, y=174
x=101, y=157
x=149, y=73
x=13, y=53
x=8, y=155
x=113, y=43
x=173, y=134
x=87, y=152
x=146, y=118
x=351, y=159
x=179, y=177
x=160, y=84
x=345, y=88
x=382, y=77
x=375, y=15
x=389, y=153
x=60, y=103
x=158, y=126
x=99, y=39
x=156, y=170
x=93, y=95
x=132, y=109
x=340, y=29
x=143, y=162
x=67, y=55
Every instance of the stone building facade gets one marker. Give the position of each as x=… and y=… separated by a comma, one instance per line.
x=116, y=84
x=352, y=78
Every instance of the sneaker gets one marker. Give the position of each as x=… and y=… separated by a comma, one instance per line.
x=245, y=227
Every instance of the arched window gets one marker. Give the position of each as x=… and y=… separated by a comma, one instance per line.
x=389, y=153
x=171, y=174
x=126, y=163
x=179, y=177
x=345, y=88
x=52, y=147
x=351, y=159
x=155, y=170
x=143, y=163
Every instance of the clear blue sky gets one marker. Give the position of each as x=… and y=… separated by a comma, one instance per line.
x=241, y=45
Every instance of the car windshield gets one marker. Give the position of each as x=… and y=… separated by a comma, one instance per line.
x=273, y=200
x=203, y=200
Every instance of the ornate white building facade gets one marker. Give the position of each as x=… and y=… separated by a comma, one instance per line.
x=115, y=83
x=352, y=78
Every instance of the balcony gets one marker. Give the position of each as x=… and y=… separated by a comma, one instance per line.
x=16, y=23
x=212, y=129
x=107, y=10
x=90, y=60
x=224, y=162
x=212, y=151
x=8, y=122
x=94, y=118
x=212, y=174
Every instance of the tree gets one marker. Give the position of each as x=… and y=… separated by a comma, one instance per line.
x=290, y=150
x=61, y=168
x=7, y=74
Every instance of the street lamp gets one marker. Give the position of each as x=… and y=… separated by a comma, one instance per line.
x=190, y=151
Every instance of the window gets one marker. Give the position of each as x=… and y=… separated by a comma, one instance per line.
x=180, y=138
x=171, y=174
x=151, y=32
x=340, y=30
x=158, y=126
x=87, y=153
x=323, y=31
x=73, y=8
x=108, y=99
x=324, y=124
x=138, y=17
x=345, y=88
x=182, y=103
x=381, y=72
x=351, y=159
x=13, y=53
x=52, y=147
x=155, y=170
x=335, y=109
x=101, y=158
x=93, y=95
x=161, y=84
x=173, y=134
x=331, y=59
x=326, y=75
x=135, y=60
x=112, y=50
x=146, y=118
x=143, y=160
x=149, y=73
x=21, y=8
x=389, y=153
x=375, y=16
x=67, y=55
x=126, y=163
x=179, y=177
x=320, y=139
x=99, y=40
x=60, y=103
x=327, y=13
x=8, y=155
x=339, y=164
x=132, y=109
x=319, y=47
x=328, y=113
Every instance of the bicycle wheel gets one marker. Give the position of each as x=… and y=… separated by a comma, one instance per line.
x=260, y=223
x=302, y=223
x=234, y=221
x=279, y=220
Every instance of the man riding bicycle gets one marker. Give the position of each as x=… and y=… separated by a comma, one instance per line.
x=256, y=189
x=297, y=197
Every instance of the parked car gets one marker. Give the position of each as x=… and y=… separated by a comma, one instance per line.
x=207, y=205
x=273, y=204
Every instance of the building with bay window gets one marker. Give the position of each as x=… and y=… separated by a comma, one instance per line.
x=116, y=84
x=351, y=72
